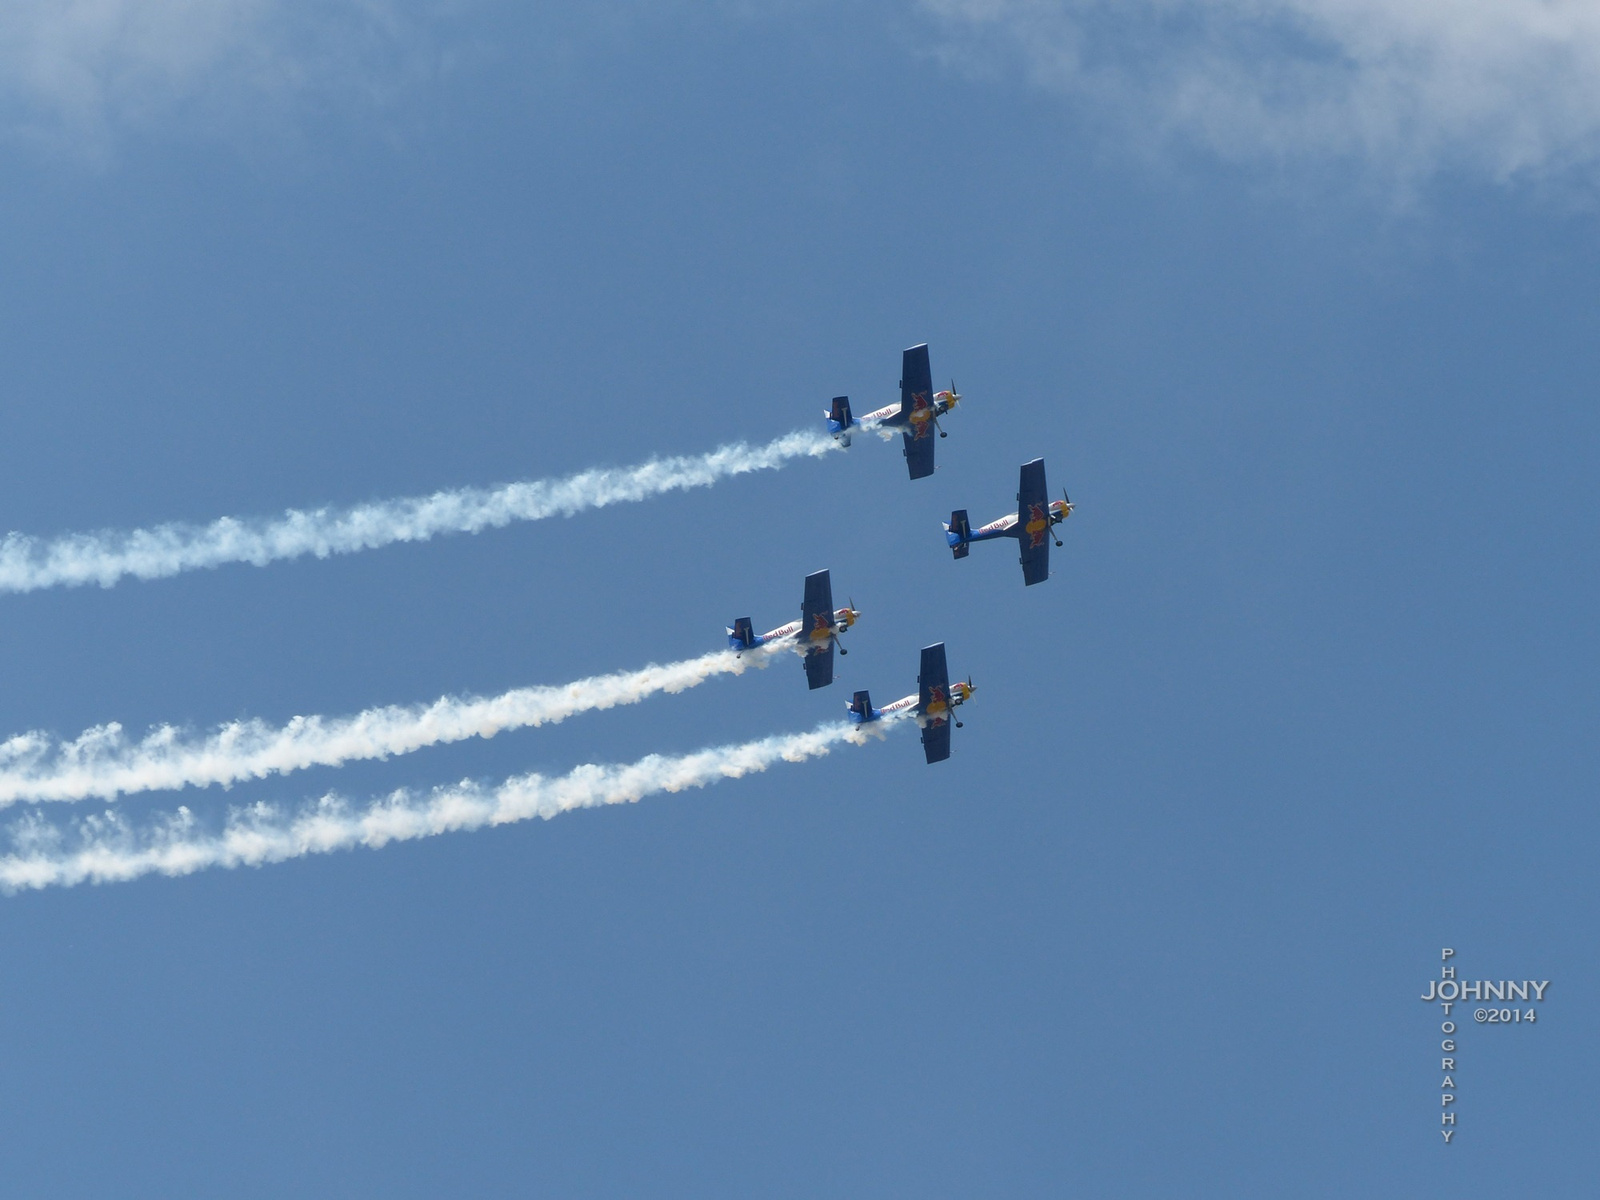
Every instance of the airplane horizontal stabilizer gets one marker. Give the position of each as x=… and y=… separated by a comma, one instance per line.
x=958, y=534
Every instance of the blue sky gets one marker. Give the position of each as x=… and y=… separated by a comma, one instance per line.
x=1298, y=301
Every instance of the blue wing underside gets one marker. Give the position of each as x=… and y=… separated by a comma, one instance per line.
x=1033, y=505
x=916, y=388
x=818, y=602
x=934, y=681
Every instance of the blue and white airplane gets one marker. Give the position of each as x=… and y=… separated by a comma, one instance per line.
x=917, y=415
x=1032, y=525
x=815, y=634
x=934, y=704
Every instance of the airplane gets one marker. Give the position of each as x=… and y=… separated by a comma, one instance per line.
x=816, y=633
x=933, y=704
x=917, y=415
x=1031, y=525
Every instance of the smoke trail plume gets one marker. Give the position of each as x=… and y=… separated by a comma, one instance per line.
x=102, y=764
x=106, y=848
x=28, y=564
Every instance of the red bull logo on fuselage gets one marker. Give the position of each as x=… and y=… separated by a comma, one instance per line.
x=782, y=631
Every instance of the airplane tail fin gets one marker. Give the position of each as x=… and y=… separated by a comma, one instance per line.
x=840, y=420
x=743, y=635
x=861, y=707
x=958, y=533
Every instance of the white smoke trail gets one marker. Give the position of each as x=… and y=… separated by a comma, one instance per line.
x=886, y=433
x=107, y=849
x=28, y=564
x=102, y=764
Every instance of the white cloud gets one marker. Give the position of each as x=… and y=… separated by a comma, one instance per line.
x=80, y=70
x=1510, y=87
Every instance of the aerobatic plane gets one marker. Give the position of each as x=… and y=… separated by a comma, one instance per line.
x=916, y=416
x=815, y=634
x=934, y=704
x=1031, y=525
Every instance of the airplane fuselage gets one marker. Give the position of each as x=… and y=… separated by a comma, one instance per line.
x=1032, y=530
x=937, y=712
x=918, y=423
x=818, y=637
x=1004, y=527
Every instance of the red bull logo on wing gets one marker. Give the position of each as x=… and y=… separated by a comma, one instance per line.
x=921, y=415
x=821, y=627
x=1038, y=524
x=938, y=706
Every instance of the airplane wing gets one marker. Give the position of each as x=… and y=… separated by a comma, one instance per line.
x=919, y=451
x=818, y=602
x=817, y=618
x=916, y=378
x=933, y=703
x=1033, y=523
x=819, y=668
x=916, y=410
